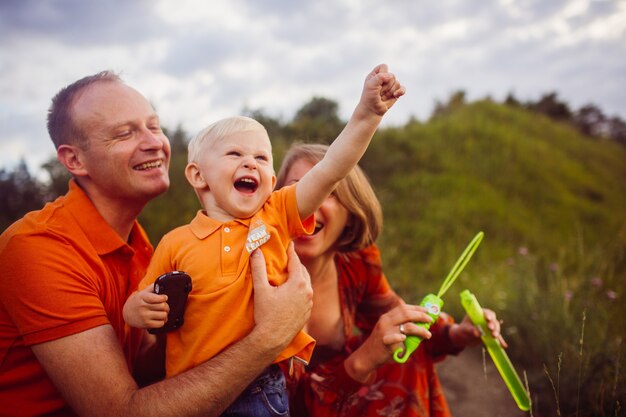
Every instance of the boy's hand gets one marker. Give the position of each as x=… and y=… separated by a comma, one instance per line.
x=146, y=310
x=381, y=90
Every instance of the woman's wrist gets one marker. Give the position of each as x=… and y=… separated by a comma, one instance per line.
x=358, y=369
x=457, y=336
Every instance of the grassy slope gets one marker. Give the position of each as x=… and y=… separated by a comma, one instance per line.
x=552, y=204
x=523, y=179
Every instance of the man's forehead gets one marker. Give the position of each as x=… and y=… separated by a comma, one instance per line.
x=112, y=103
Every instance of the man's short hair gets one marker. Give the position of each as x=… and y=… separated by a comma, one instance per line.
x=62, y=128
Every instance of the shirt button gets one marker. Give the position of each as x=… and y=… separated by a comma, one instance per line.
x=227, y=229
x=226, y=248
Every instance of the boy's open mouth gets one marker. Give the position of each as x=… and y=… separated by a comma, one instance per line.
x=246, y=185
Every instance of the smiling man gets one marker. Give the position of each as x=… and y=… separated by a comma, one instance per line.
x=69, y=268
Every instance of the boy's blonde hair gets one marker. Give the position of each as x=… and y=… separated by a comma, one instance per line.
x=218, y=130
x=354, y=192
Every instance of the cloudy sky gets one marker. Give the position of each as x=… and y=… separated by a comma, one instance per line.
x=198, y=61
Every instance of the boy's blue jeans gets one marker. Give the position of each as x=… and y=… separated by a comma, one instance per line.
x=266, y=396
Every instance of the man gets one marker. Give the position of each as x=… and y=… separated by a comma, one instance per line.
x=68, y=268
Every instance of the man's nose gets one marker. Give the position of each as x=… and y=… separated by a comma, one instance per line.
x=150, y=140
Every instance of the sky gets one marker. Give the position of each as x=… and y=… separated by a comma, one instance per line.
x=199, y=61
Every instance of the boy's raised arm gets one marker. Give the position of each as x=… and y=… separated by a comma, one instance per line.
x=380, y=91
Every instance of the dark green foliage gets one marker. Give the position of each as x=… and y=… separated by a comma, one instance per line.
x=19, y=193
x=179, y=204
x=317, y=121
x=59, y=178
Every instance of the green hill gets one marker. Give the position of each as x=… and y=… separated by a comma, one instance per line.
x=552, y=204
x=520, y=177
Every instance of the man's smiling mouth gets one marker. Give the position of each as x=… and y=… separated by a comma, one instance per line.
x=148, y=165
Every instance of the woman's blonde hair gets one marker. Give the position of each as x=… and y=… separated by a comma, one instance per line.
x=354, y=192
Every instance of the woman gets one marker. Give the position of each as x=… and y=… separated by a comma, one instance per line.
x=357, y=319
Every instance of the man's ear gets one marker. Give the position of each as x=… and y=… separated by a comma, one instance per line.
x=194, y=176
x=69, y=157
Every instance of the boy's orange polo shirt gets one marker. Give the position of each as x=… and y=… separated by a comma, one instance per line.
x=220, y=306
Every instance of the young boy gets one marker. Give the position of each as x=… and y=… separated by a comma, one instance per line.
x=230, y=168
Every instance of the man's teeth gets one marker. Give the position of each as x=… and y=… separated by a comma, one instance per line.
x=148, y=165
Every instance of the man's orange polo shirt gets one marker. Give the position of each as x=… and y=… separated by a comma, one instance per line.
x=220, y=306
x=64, y=271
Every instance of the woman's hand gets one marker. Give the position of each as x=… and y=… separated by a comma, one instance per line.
x=385, y=338
x=466, y=334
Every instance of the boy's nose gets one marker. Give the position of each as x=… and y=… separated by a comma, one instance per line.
x=249, y=162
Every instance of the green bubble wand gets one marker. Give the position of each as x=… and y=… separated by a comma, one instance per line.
x=433, y=303
x=497, y=353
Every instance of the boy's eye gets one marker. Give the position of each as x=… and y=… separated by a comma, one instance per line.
x=261, y=158
x=233, y=153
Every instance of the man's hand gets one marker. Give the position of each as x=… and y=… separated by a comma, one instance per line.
x=281, y=312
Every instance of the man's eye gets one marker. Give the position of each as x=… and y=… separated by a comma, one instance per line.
x=155, y=129
x=123, y=134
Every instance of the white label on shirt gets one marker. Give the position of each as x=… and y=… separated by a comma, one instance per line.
x=257, y=236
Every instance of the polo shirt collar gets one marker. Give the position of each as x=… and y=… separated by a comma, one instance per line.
x=203, y=226
x=101, y=235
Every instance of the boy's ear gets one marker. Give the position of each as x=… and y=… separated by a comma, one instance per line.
x=273, y=181
x=69, y=156
x=194, y=176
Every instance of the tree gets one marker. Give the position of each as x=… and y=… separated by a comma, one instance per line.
x=317, y=120
x=510, y=100
x=617, y=130
x=19, y=194
x=272, y=125
x=455, y=101
x=550, y=105
x=590, y=120
x=59, y=177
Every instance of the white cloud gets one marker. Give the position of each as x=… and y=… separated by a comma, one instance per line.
x=198, y=61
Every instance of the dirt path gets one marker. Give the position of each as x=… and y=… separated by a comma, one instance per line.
x=472, y=392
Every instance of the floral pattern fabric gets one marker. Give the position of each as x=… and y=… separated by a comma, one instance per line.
x=324, y=389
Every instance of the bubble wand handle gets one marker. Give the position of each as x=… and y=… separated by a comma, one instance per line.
x=433, y=303
x=497, y=353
